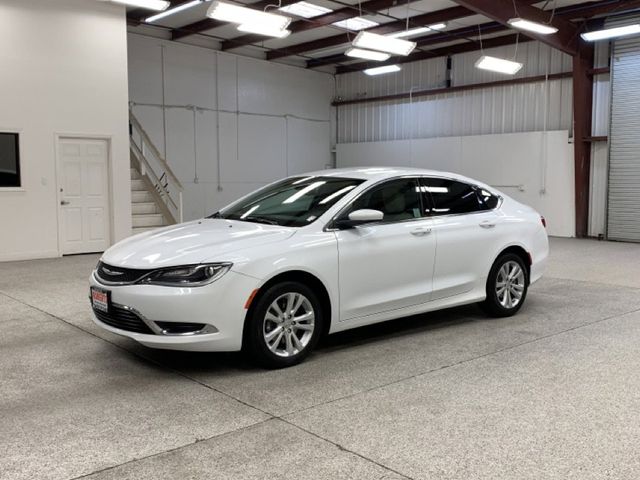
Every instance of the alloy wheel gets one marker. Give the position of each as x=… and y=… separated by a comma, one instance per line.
x=510, y=284
x=288, y=324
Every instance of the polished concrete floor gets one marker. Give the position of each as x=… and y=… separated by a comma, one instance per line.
x=552, y=393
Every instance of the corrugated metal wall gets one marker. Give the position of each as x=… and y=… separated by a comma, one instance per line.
x=508, y=109
x=624, y=157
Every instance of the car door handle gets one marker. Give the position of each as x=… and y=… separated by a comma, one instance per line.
x=487, y=224
x=64, y=202
x=421, y=231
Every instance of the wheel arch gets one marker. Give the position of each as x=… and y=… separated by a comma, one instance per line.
x=305, y=278
x=520, y=251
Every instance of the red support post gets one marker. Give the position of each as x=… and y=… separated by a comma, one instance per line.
x=582, y=108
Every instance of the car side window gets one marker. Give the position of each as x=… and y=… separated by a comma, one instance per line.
x=397, y=199
x=450, y=197
x=490, y=200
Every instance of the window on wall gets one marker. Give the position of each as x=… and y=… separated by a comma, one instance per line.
x=9, y=160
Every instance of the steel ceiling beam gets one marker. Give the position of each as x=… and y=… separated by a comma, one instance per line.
x=574, y=12
x=372, y=6
x=438, y=52
x=435, y=38
x=430, y=18
x=565, y=40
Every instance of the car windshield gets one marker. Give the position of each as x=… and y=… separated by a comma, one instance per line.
x=293, y=202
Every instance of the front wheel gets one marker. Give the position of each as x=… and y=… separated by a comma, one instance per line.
x=284, y=326
x=507, y=286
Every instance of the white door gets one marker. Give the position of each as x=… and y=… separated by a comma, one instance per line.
x=387, y=265
x=467, y=231
x=83, y=195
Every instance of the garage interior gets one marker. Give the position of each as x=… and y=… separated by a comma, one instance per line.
x=170, y=119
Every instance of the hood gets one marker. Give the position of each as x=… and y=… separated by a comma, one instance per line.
x=191, y=243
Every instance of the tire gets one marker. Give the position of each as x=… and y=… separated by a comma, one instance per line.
x=503, y=301
x=297, y=335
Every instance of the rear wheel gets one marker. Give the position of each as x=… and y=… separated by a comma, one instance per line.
x=507, y=286
x=284, y=326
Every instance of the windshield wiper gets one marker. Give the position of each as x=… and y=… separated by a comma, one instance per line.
x=215, y=215
x=258, y=219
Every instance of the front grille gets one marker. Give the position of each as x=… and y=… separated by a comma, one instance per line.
x=112, y=274
x=123, y=319
x=176, y=328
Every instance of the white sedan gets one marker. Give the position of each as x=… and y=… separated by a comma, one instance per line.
x=320, y=253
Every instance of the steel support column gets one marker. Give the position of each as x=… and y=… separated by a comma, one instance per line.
x=582, y=109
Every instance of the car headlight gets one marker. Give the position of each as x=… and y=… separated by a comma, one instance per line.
x=187, y=276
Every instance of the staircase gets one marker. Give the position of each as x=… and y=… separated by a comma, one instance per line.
x=156, y=193
x=145, y=214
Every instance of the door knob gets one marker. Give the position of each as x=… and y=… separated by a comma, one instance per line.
x=64, y=202
x=419, y=232
x=487, y=224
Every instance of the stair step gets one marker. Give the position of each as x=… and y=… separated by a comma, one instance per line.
x=141, y=197
x=148, y=220
x=136, y=230
x=144, y=207
x=138, y=185
x=135, y=175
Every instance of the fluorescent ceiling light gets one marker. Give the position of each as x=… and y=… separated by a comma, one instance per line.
x=171, y=11
x=158, y=5
x=611, y=32
x=381, y=70
x=536, y=27
x=499, y=65
x=373, y=41
x=356, y=23
x=305, y=9
x=367, y=54
x=417, y=31
x=228, y=12
x=266, y=30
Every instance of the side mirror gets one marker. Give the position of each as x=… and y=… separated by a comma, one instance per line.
x=360, y=217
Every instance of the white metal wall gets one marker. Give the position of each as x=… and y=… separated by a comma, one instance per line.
x=515, y=108
x=274, y=120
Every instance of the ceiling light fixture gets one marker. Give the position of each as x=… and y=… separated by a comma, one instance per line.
x=523, y=24
x=172, y=11
x=305, y=10
x=382, y=70
x=266, y=30
x=367, y=54
x=158, y=5
x=355, y=23
x=611, y=33
x=499, y=65
x=249, y=19
x=381, y=43
x=417, y=31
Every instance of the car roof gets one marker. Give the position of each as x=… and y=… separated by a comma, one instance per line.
x=380, y=173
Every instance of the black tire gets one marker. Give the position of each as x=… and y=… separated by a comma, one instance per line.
x=493, y=305
x=257, y=327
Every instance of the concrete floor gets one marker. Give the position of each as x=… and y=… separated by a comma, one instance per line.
x=553, y=392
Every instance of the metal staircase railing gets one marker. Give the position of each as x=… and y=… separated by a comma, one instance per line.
x=150, y=164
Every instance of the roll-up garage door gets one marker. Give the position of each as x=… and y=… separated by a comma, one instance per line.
x=624, y=138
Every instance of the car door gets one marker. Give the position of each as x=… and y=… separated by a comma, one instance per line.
x=386, y=265
x=467, y=231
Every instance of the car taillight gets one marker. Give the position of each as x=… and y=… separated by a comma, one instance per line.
x=544, y=222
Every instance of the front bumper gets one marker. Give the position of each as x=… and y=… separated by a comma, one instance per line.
x=219, y=306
